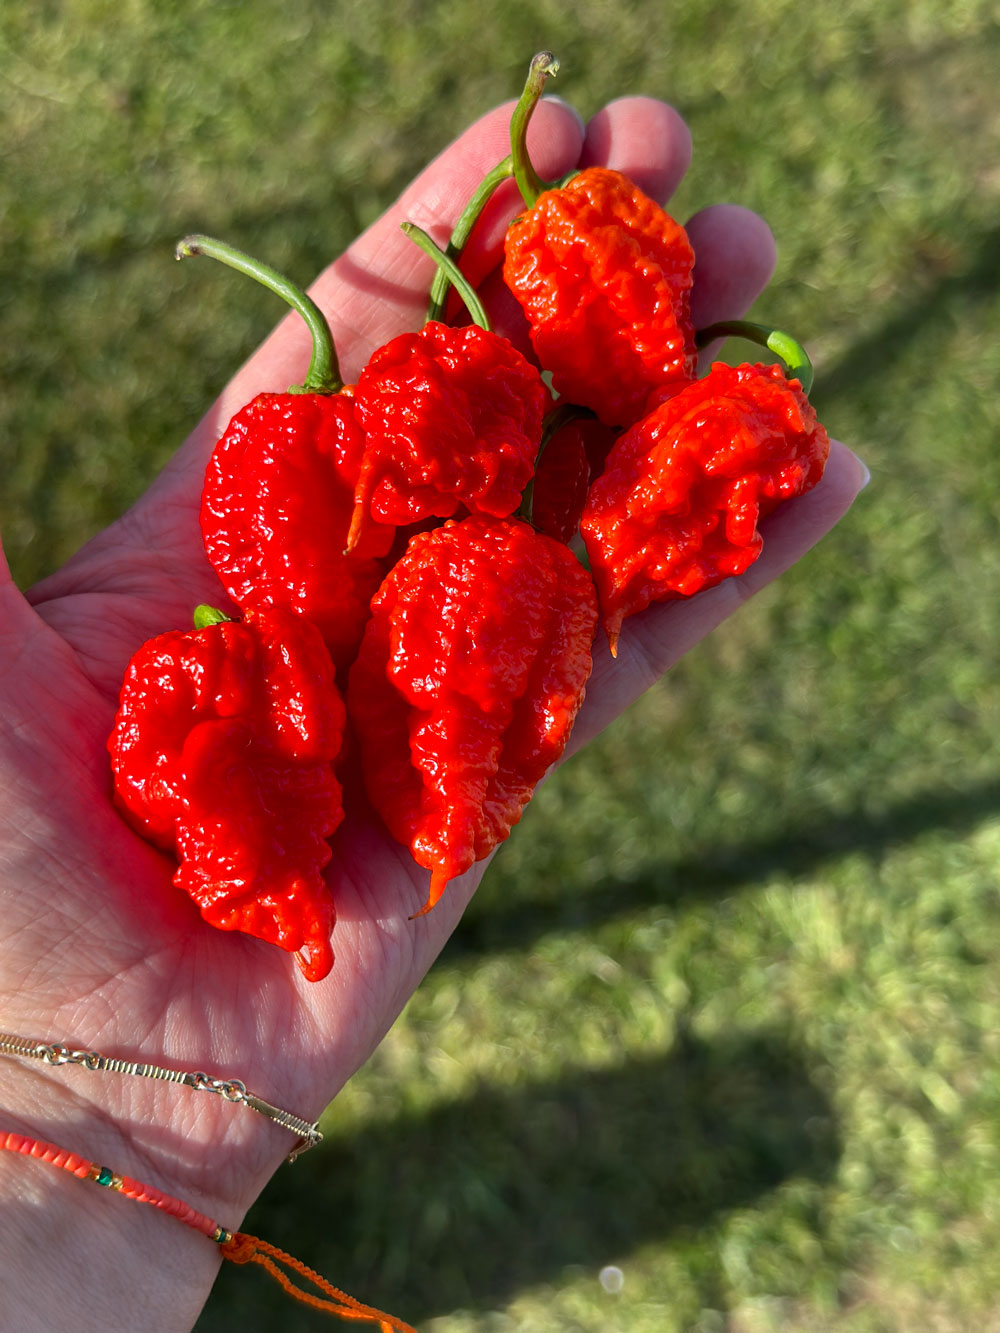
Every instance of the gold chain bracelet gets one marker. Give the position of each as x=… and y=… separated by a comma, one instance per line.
x=231, y=1089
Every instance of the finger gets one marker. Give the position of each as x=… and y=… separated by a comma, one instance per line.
x=20, y=657
x=379, y=287
x=31, y=658
x=654, y=640
x=735, y=256
x=18, y=621
x=374, y=291
x=645, y=139
x=11, y=599
x=381, y=284
x=482, y=254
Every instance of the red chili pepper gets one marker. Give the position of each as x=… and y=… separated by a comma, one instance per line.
x=677, y=507
x=453, y=419
x=603, y=275
x=572, y=456
x=598, y=441
x=467, y=684
x=222, y=752
x=279, y=489
x=276, y=507
x=562, y=475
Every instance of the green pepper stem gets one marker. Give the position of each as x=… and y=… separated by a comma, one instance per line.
x=323, y=375
x=792, y=353
x=455, y=275
x=528, y=180
x=463, y=230
x=205, y=615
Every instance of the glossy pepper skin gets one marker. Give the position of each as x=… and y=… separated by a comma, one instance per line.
x=603, y=275
x=677, y=507
x=453, y=421
x=222, y=753
x=275, y=511
x=559, y=488
x=575, y=453
x=468, y=681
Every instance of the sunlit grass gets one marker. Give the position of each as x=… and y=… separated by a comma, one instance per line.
x=723, y=1016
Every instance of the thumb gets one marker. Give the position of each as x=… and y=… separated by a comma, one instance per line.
x=16, y=616
x=26, y=653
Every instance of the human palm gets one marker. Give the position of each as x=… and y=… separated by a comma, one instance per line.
x=98, y=948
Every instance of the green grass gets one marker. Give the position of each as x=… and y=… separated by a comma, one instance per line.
x=724, y=1013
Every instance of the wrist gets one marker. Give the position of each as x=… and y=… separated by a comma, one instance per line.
x=213, y=1153
x=119, y=1266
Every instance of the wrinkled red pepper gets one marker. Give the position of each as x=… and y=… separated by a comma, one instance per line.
x=603, y=275
x=453, y=420
x=222, y=753
x=467, y=684
x=275, y=511
x=279, y=488
x=574, y=453
x=677, y=507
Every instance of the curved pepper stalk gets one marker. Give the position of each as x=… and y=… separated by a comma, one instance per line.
x=278, y=498
x=794, y=356
x=323, y=375
x=543, y=66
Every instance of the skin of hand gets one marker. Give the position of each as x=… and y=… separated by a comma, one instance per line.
x=99, y=949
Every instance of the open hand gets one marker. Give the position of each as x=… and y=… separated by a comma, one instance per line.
x=98, y=948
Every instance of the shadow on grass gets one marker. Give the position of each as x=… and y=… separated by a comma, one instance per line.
x=870, y=357
x=467, y=1204
x=494, y=923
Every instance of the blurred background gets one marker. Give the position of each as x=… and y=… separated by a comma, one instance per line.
x=716, y=1046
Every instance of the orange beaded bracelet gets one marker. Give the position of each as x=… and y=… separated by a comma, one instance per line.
x=237, y=1246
